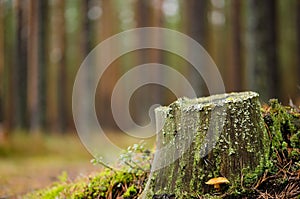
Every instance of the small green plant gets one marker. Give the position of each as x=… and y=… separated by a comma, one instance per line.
x=135, y=159
x=130, y=192
x=99, y=161
x=63, y=177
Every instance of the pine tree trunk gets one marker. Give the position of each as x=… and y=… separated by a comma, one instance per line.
x=37, y=64
x=261, y=48
x=221, y=135
x=197, y=27
x=235, y=56
x=20, y=67
x=1, y=63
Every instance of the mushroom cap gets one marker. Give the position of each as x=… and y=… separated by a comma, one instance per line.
x=218, y=180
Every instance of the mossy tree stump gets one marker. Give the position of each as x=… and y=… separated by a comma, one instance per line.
x=221, y=135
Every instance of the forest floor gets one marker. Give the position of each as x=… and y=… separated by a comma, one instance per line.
x=280, y=179
x=28, y=163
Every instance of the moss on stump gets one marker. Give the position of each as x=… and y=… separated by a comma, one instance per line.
x=221, y=135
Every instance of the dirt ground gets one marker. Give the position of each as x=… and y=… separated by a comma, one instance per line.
x=28, y=163
x=20, y=176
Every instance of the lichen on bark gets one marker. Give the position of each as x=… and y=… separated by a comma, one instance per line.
x=220, y=135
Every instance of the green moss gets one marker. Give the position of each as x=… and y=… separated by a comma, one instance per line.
x=284, y=128
x=130, y=192
x=280, y=123
x=295, y=140
x=50, y=193
x=107, y=182
x=208, y=196
x=96, y=187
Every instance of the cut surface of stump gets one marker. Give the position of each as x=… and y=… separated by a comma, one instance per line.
x=218, y=136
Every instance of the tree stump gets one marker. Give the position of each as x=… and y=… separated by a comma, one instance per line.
x=217, y=136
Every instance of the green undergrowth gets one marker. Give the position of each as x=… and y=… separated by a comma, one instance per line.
x=281, y=178
x=283, y=125
x=125, y=181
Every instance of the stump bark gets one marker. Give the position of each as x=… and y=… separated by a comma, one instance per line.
x=221, y=135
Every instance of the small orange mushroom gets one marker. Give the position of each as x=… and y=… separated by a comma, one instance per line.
x=217, y=181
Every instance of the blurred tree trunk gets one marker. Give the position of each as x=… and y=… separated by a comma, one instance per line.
x=86, y=28
x=196, y=18
x=287, y=45
x=38, y=51
x=298, y=50
x=52, y=70
x=42, y=61
x=196, y=14
x=86, y=46
x=62, y=74
x=260, y=44
x=2, y=78
x=20, y=66
x=57, y=74
x=32, y=63
x=148, y=14
x=9, y=40
x=234, y=69
x=3, y=132
x=108, y=27
x=73, y=53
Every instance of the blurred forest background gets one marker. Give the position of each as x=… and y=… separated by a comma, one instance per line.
x=254, y=43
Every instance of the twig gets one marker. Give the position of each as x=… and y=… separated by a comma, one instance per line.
x=262, y=179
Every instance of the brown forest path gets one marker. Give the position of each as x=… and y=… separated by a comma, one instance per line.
x=27, y=163
x=26, y=175
x=31, y=163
